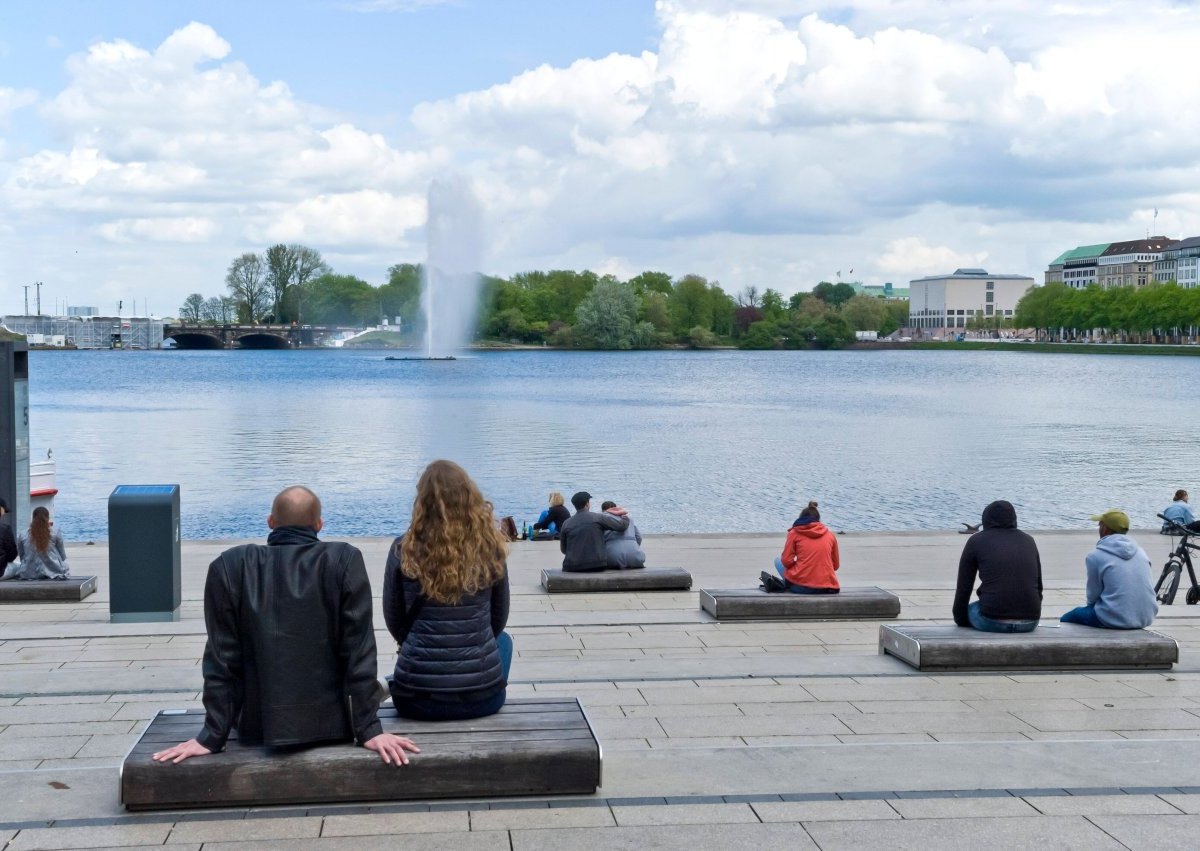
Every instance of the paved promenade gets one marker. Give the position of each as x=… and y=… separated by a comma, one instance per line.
x=734, y=735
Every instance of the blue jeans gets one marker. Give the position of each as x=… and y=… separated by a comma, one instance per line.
x=429, y=709
x=983, y=623
x=801, y=589
x=1085, y=615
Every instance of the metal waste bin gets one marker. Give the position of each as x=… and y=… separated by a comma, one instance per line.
x=143, y=553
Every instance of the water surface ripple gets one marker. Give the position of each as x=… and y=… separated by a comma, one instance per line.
x=689, y=441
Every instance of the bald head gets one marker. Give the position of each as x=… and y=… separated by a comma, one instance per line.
x=296, y=506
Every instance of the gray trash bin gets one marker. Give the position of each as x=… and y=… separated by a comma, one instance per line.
x=143, y=553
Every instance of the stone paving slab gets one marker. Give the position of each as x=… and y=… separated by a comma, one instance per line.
x=1007, y=834
x=663, y=838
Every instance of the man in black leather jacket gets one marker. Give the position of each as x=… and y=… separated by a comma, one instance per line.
x=290, y=657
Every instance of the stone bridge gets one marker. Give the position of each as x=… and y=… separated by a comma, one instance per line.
x=202, y=336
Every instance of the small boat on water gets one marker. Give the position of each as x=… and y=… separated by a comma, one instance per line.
x=42, y=487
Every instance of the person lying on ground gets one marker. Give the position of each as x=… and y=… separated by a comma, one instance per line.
x=1178, y=512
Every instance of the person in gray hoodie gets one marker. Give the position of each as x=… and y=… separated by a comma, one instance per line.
x=1119, y=593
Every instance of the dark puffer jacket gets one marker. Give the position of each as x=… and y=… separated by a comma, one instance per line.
x=447, y=652
x=1009, y=569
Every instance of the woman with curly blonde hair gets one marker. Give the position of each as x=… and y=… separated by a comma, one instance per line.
x=445, y=600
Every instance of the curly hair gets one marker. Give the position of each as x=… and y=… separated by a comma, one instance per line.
x=39, y=529
x=453, y=545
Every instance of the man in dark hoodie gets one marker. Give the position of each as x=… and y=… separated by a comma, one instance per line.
x=1010, y=575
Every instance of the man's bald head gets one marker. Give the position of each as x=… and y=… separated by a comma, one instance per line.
x=296, y=506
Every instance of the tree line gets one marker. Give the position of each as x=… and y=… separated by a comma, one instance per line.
x=1154, y=313
x=565, y=308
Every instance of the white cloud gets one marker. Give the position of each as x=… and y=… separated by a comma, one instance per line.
x=183, y=229
x=396, y=5
x=366, y=217
x=13, y=99
x=770, y=142
x=912, y=256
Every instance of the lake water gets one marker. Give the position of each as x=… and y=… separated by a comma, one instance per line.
x=688, y=441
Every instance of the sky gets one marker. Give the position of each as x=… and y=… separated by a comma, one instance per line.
x=144, y=144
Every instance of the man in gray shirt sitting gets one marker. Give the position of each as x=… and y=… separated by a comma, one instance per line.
x=581, y=538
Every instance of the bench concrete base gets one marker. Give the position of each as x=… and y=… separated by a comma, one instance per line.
x=70, y=590
x=531, y=747
x=1053, y=646
x=641, y=579
x=850, y=604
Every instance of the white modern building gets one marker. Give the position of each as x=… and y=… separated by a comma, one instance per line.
x=942, y=304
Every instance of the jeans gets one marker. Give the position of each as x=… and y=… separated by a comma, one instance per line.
x=801, y=589
x=983, y=623
x=1085, y=615
x=429, y=709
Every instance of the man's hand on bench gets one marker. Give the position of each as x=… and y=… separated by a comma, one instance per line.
x=390, y=747
x=181, y=752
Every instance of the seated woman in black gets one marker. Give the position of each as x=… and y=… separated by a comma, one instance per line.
x=445, y=600
x=1010, y=575
x=555, y=516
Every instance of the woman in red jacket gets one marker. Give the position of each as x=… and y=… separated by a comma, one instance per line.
x=809, y=561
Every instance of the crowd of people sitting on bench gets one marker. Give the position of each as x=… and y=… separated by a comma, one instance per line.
x=291, y=654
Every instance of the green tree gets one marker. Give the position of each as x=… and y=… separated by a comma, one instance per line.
x=772, y=305
x=651, y=282
x=833, y=294
x=656, y=310
x=333, y=299
x=691, y=304
x=246, y=281
x=607, y=317
x=192, y=308
x=864, y=313
x=723, y=307
x=761, y=335
x=280, y=262
x=701, y=338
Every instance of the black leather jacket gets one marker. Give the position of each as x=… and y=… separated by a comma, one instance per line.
x=290, y=657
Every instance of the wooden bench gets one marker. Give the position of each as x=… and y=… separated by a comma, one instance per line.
x=850, y=604
x=640, y=579
x=531, y=747
x=1053, y=646
x=70, y=590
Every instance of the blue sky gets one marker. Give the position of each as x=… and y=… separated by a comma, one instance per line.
x=144, y=145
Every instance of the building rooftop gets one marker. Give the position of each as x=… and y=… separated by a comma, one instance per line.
x=1133, y=246
x=974, y=274
x=1190, y=242
x=1084, y=253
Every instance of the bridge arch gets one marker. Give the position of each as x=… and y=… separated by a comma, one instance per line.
x=262, y=340
x=196, y=340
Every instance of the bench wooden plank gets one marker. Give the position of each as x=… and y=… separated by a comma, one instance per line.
x=850, y=604
x=639, y=579
x=1054, y=646
x=549, y=751
x=70, y=590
